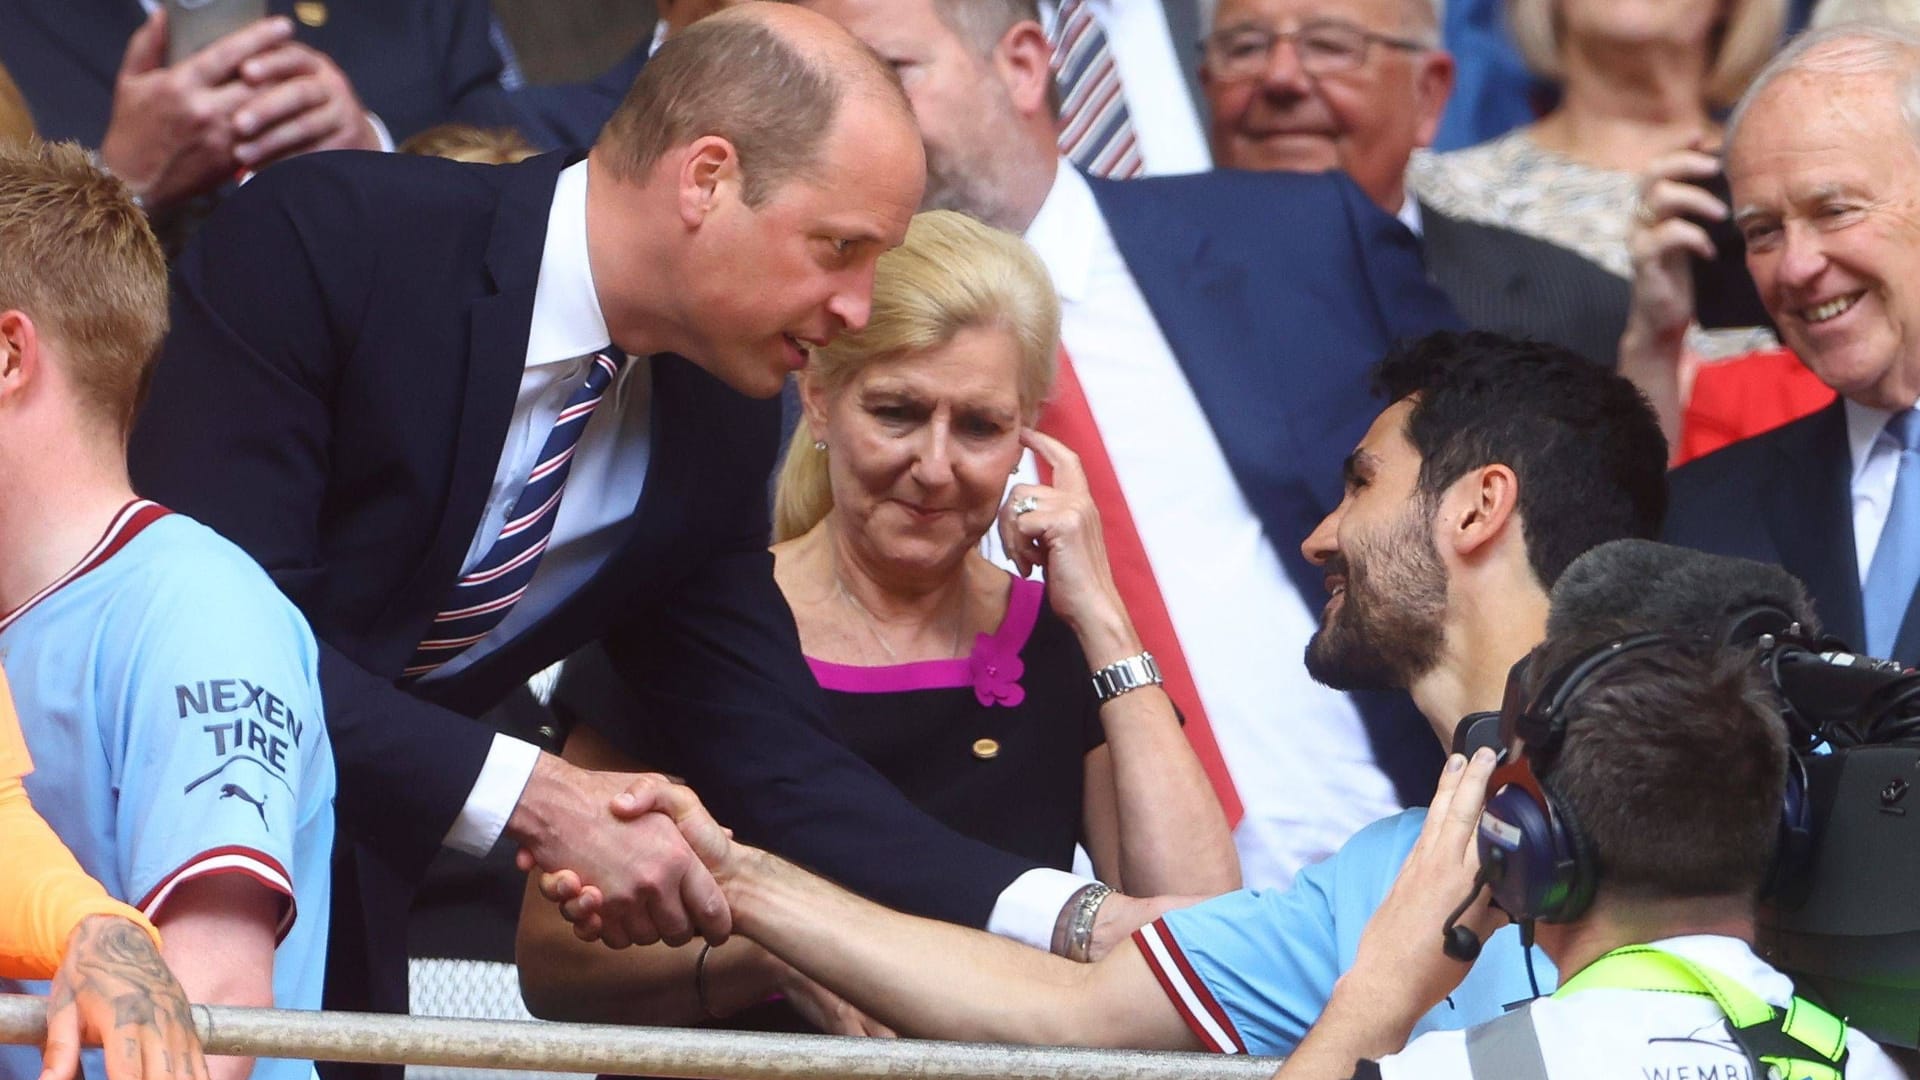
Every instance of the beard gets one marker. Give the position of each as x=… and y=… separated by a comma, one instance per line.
x=1386, y=631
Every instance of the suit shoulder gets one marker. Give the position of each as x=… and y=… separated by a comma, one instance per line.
x=343, y=186
x=1745, y=463
x=1248, y=199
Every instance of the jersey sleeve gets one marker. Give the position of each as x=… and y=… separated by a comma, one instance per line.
x=14, y=759
x=221, y=728
x=1250, y=971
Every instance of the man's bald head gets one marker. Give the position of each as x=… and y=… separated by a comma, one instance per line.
x=770, y=78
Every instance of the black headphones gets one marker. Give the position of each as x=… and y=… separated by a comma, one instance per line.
x=1533, y=853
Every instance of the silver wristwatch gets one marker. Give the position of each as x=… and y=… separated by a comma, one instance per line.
x=1131, y=673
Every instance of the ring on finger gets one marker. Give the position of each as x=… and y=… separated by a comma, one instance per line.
x=1025, y=504
x=1643, y=213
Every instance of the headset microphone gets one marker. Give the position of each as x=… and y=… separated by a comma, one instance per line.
x=1460, y=942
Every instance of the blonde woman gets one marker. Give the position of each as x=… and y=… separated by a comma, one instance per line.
x=969, y=687
x=1638, y=79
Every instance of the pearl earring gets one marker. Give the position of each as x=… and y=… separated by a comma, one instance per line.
x=820, y=445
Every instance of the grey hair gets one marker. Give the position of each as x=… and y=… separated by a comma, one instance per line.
x=1834, y=12
x=1847, y=48
x=1426, y=17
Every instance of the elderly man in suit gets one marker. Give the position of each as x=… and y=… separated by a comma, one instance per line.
x=1217, y=330
x=1359, y=85
x=313, y=75
x=1825, y=169
x=386, y=372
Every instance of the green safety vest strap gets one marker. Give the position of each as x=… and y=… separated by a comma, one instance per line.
x=1769, y=1036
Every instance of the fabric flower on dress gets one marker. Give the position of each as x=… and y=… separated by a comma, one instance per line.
x=996, y=673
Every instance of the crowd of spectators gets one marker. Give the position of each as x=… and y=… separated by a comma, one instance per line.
x=976, y=519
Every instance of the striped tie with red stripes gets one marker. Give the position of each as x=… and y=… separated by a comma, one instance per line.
x=483, y=595
x=1096, y=131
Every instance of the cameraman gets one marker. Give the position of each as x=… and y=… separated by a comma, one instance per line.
x=1669, y=764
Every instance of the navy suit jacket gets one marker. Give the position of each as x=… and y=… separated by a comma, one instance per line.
x=414, y=63
x=1277, y=292
x=1786, y=497
x=349, y=334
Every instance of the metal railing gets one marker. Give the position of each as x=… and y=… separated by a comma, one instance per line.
x=677, y=1052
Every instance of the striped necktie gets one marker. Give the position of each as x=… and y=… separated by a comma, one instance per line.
x=1096, y=131
x=1895, y=569
x=483, y=595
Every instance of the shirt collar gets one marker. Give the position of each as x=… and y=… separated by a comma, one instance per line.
x=1062, y=232
x=567, y=323
x=1864, y=425
x=1409, y=214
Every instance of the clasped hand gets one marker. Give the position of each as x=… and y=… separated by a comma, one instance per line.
x=628, y=860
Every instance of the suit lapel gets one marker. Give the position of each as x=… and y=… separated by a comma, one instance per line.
x=1199, y=299
x=496, y=359
x=1810, y=514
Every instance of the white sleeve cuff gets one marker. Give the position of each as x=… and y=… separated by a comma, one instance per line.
x=380, y=132
x=495, y=793
x=1028, y=909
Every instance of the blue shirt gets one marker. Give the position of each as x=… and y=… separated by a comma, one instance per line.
x=170, y=697
x=1250, y=971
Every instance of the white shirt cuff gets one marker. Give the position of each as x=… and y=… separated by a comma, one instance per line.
x=380, y=132
x=495, y=793
x=1029, y=908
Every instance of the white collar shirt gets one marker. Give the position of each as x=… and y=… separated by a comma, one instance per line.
x=1876, y=467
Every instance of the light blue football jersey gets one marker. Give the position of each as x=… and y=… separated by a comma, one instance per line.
x=170, y=696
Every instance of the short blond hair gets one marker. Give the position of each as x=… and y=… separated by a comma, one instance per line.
x=951, y=274
x=77, y=257
x=465, y=142
x=1746, y=40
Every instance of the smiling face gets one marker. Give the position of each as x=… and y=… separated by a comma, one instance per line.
x=764, y=284
x=1826, y=188
x=1365, y=121
x=919, y=450
x=1381, y=628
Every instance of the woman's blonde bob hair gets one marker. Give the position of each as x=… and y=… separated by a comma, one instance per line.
x=1743, y=43
x=951, y=274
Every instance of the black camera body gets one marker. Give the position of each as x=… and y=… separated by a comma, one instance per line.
x=1846, y=922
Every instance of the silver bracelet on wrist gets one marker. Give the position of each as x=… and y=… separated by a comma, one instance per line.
x=1086, y=906
x=1127, y=673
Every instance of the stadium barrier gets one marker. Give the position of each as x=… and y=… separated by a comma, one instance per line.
x=676, y=1052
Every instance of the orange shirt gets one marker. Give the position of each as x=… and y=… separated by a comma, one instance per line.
x=43, y=892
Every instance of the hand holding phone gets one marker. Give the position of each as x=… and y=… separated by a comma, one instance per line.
x=192, y=25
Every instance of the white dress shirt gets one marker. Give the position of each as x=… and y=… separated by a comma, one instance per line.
x=604, y=482
x=1298, y=751
x=603, y=488
x=1165, y=119
x=1876, y=467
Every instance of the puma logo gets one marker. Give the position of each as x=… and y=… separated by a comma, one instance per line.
x=235, y=791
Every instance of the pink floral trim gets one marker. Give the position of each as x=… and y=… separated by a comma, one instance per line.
x=993, y=668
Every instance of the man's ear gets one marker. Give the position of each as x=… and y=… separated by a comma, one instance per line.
x=1432, y=86
x=1479, y=508
x=1023, y=59
x=20, y=354
x=708, y=173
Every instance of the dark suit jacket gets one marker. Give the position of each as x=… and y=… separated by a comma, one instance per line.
x=349, y=333
x=414, y=63
x=1786, y=497
x=1506, y=281
x=569, y=116
x=1277, y=292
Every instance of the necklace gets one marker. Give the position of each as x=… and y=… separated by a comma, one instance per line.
x=873, y=623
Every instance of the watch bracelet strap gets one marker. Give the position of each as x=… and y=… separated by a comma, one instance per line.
x=1127, y=673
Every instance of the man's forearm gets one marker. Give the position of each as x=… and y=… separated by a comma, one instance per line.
x=1353, y=1027
x=919, y=976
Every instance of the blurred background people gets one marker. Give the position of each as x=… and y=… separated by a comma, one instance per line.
x=965, y=685
x=1636, y=79
x=1359, y=86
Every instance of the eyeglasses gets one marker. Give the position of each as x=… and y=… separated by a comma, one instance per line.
x=1324, y=46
